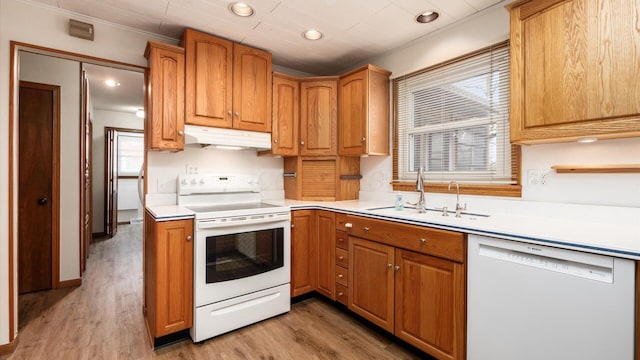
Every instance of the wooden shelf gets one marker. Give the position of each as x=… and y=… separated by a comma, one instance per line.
x=604, y=168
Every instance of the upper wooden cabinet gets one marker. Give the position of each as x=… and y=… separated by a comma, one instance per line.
x=574, y=70
x=227, y=84
x=318, y=116
x=286, y=115
x=164, y=97
x=364, y=112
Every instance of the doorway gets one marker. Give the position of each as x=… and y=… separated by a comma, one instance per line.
x=38, y=191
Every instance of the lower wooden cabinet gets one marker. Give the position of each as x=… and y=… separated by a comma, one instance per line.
x=304, y=258
x=168, y=276
x=326, y=232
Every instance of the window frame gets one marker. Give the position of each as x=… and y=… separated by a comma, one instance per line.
x=507, y=190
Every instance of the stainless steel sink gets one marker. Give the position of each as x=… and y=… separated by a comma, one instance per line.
x=391, y=211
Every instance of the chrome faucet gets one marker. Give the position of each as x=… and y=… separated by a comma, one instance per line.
x=458, y=207
x=420, y=204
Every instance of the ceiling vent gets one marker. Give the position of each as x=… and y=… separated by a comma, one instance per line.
x=81, y=29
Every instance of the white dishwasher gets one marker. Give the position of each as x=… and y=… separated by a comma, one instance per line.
x=528, y=301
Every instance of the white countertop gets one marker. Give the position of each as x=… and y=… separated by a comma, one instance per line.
x=621, y=240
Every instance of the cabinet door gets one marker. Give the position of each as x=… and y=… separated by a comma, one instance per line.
x=325, y=221
x=304, y=256
x=574, y=70
x=174, y=276
x=209, y=77
x=318, y=117
x=252, y=88
x=353, y=113
x=371, y=281
x=286, y=116
x=164, y=97
x=430, y=304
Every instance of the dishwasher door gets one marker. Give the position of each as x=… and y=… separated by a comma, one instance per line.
x=528, y=301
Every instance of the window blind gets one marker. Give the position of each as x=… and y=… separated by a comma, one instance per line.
x=453, y=120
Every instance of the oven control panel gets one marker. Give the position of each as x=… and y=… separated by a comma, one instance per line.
x=215, y=183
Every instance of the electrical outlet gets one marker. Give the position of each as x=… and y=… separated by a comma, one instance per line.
x=191, y=169
x=537, y=177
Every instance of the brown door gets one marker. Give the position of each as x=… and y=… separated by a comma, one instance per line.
x=38, y=118
x=111, y=172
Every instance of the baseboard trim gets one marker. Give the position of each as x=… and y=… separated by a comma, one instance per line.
x=7, y=349
x=70, y=283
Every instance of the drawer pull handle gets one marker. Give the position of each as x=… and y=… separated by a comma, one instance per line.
x=389, y=266
x=423, y=240
x=366, y=228
x=348, y=225
x=396, y=268
x=340, y=276
x=340, y=257
x=340, y=240
x=340, y=294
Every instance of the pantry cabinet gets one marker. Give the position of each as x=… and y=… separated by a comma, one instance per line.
x=364, y=112
x=410, y=281
x=168, y=276
x=286, y=115
x=318, y=116
x=574, y=70
x=227, y=84
x=164, y=97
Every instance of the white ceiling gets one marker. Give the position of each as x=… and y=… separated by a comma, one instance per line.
x=354, y=30
x=128, y=97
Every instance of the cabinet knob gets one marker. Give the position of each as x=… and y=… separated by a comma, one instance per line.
x=340, y=257
x=396, y=268
x=348, y=225
x=340, y=240
x=423, y=240
x=301, y=142
x=366, y=229
x=340, y=276
x=389, y=266
x=189, y=238
x=180, y=132
x=293, y=225
x=229, y=112
x=275, y=141
x=363, y=139
x=341, y=294
x=237, y=113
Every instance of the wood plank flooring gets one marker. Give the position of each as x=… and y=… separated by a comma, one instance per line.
x=102, y=319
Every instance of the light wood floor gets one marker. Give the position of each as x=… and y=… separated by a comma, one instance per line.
x=102, y=319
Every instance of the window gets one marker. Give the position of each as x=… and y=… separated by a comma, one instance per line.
x=453, y=120
x=130, y=153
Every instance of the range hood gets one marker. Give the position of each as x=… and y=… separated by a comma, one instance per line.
x=226, y=138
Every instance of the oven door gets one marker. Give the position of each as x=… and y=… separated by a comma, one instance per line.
x=238, y=256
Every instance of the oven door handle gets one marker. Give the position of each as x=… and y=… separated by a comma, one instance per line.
x=243, y=220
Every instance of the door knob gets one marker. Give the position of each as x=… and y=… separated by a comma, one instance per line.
x=42, y=201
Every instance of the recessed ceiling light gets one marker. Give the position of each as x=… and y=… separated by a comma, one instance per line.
x=312, y=34
x=427, y=17
x=140, y=113
x=241, y=9
x=587, y=140
x=111, y=83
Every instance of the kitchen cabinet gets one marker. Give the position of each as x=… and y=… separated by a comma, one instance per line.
x=317, y=178
x=318, y=116
x=326, y=233
x=364, y=112
x=574, y=70
x=227, y=84
x=410, y=281
x=304, y=263
x=164, y=98
x=286, y=115
x=168, y=276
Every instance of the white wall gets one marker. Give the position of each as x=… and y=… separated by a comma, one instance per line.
x=18, y=20
x=102, y=119
x=164, y=168
x=484, y=29
x=66, y=74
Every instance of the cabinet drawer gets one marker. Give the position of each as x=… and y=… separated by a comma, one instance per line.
x=342, y=294
x=342, y=258
x=436, y=242
x=341, y=276
x=341, y=219
x=341, y=240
